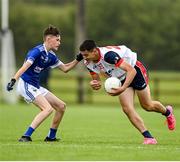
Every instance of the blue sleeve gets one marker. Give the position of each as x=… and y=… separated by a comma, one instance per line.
x=112, y=57
x=33, y=54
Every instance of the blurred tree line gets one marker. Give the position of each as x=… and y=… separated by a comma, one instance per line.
x=149, y=27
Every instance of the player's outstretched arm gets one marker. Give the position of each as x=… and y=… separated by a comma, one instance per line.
x=25, y=66
x=67, y=67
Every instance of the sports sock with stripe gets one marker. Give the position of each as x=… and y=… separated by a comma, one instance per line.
x=52, y=133
x=147, y=134
x=29, y=131
x=167, y=113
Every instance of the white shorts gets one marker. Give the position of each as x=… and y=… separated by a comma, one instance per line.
x=29, y=92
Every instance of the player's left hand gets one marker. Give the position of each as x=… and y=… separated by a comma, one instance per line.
x=11, y=84
x=116, y=91
x=95, y=84
x=79, y=57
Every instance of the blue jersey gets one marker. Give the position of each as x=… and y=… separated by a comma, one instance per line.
x=40, y=59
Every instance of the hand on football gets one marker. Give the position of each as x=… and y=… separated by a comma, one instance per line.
x=116, y=91
x=95, y=84
x=11, y=84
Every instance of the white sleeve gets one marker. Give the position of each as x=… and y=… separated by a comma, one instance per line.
x=57, y=64
x=130, y=57
x=30, y=61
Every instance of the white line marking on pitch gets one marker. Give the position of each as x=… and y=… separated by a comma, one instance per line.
x=155, y=147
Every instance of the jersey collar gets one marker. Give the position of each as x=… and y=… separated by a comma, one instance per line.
x=99, y=53
x=45, y=49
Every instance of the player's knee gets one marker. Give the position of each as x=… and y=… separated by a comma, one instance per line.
x=147, y=106
x=48, y=110
x=62, y=107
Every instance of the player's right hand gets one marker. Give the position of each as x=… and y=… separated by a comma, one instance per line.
x=11, y=84
x=95, y=84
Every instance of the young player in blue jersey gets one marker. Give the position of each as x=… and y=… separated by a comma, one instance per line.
x=39, y=58
x=121, y=62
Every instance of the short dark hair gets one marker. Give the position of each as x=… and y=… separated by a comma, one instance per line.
x=51, y=30
x=88, y=45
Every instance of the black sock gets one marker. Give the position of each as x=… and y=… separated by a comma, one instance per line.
x=167, y=113
x=147, y=134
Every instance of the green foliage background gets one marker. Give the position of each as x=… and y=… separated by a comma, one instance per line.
x=150, y=27
x=28, y=20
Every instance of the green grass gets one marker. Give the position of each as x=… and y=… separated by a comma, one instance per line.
x=88, y=132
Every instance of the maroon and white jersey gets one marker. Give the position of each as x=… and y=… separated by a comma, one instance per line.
x=110, y=59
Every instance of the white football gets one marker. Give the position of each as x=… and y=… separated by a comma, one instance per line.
x=111, y=82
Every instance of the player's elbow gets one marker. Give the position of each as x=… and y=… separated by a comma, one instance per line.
x=66, y=71
x=134, y=71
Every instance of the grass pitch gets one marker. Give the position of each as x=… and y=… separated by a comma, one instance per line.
x=88, y=132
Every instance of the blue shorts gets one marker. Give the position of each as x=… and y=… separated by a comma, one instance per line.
x=140, y=80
